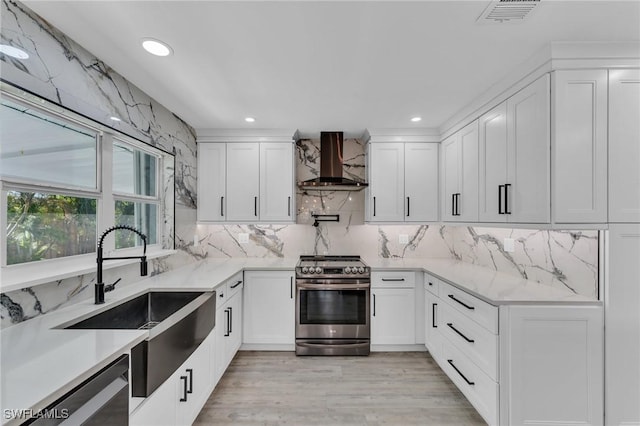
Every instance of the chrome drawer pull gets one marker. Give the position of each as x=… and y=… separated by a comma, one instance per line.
x=393, y=279
x=450, y=361
x=451, y=296
x=459, y=333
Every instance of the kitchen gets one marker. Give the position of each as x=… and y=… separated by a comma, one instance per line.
x=573, y=245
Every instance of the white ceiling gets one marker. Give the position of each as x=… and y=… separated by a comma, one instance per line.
x=324, y=65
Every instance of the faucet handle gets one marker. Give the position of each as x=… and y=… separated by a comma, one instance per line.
x=111, y=287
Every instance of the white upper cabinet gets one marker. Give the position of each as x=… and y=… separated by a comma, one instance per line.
x=386, y=182
x=493, y=164
x=421, y=182
x=580, y=146
x=624, y=146
x=460, y=175
x=246, y=181
x=212, y=178
x=276, y=182
x=243, y=181
x=403, y=182
x=514, y=175
x=527, y=196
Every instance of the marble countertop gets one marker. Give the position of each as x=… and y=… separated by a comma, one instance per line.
x=496, y=288
x=40, y=362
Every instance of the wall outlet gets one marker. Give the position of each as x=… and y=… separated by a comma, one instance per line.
x=243, y=238
x=403, y=239
x=509, y=245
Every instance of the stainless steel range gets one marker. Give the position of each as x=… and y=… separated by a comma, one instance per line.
x=332, y=306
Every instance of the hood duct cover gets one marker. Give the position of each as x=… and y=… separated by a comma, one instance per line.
x=331, y=161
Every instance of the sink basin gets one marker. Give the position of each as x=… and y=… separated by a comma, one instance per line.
x=143, y=312
x=177, y=322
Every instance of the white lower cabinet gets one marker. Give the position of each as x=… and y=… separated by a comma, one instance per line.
x=393, y=319
x=269, y=301
x=181, y=397
x=228, y=329
x=519, y=364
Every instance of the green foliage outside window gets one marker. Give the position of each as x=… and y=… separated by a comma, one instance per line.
x=47, y=226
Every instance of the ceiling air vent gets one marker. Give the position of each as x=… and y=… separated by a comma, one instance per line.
x=501, y=11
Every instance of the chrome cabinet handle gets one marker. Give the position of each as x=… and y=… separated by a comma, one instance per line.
x=291, y=287
x=221, y=206
x=393, y=279
x=289, y=206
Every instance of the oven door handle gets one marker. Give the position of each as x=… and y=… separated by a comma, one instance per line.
x=309, y=286
x=332, y=345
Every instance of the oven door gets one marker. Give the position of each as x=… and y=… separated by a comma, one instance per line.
x=327, y=309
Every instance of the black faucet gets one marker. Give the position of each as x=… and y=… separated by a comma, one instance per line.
x=100, y=287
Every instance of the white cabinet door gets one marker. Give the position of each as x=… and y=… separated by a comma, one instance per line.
x=243, y=181
x=624, y=146
x=622, y=318
x=276, y=182
x=221, y=337
x=393, y=316
x=493, y=164
x=211, y=181
x=551, y=365
x=193, y=384
x=234, y=305
x=159, y=409
x=269, y=315
x=467, y=200
x=421, y=182
x=386, y=185
x=580, y=146
x=450, y=176
x=527, y=198
x=432, y=337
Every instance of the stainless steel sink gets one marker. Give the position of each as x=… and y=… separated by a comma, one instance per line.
x=177, y=322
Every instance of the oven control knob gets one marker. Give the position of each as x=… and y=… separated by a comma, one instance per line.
x=361, y=270
x=305, y=270
x=318, y=270
x=347, y=270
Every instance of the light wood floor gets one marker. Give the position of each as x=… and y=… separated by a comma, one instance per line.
x=270, y=388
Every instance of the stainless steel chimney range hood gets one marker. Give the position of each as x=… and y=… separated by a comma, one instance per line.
x=331, y=162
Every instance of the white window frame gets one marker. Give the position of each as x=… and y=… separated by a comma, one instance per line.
x=13, y=277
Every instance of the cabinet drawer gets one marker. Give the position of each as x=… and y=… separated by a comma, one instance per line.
x=480, y=389
x=481, y=312
x=478, y=343
x=222, y=294
x=390, y=279
x=235, y=284
x=431, y=284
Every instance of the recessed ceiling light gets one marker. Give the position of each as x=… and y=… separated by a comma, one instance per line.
x=416, y=119
x=114, y=118
x=14, y=52
x=156, y=47
x=250, y=119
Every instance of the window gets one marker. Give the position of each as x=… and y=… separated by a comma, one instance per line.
x=46, y=226
x=65, y=179
x=135, y=183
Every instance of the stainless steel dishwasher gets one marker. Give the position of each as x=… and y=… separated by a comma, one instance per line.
x=103, y=400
